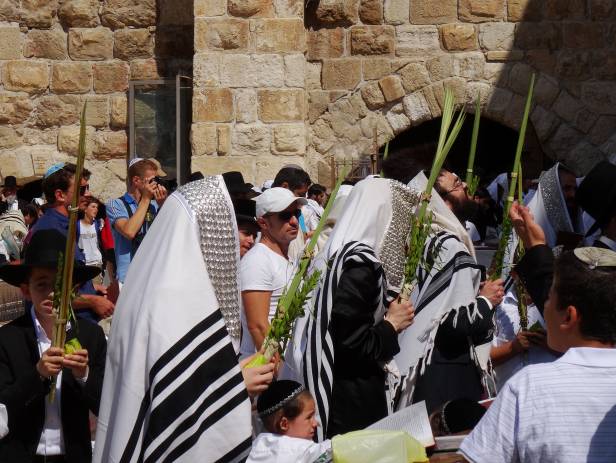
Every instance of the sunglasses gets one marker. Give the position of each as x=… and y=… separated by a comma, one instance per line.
x=83, y=189
x=285, y=216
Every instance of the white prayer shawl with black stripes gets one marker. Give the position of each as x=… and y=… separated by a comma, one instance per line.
x=319, y=361
x=173, y=389
x=451, y=284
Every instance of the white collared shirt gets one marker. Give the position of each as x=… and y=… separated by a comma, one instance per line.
x=563, y=411
x=608, y=242
x=52, y=440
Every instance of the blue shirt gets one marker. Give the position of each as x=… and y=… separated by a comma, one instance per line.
x=116, y=209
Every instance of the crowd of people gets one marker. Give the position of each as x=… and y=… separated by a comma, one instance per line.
x=175, y=294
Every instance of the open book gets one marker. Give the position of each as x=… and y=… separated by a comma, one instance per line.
x=414, y=420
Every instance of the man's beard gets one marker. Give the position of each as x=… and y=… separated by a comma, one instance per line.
x=464, y=209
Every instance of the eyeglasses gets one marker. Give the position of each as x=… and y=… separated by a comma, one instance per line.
x=285, y=216
x=456, y=186
x=83, y=189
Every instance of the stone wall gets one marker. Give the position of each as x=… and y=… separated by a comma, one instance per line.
x=249, y=101
x=56, y=55
x=384, y=64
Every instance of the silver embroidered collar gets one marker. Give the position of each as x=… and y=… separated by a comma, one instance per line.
x=404, y=200
x=219, y=244
x=554, y=203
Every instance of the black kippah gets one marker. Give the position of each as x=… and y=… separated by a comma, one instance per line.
x=277, y=395
x=462, y=414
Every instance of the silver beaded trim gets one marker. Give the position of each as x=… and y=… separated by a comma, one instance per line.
x=283, y=402
x=404, y=200
x=219, y=243
x=555, y=208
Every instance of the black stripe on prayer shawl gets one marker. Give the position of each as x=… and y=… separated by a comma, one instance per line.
x=164, y=359
x=238, y=454
x=319, y=364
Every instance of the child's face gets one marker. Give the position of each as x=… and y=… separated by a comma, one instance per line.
x=39, y=290
x=304, y=425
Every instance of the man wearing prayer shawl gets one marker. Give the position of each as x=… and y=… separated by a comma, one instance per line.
x=444, y=354
x=349, y=336
x=173, y=388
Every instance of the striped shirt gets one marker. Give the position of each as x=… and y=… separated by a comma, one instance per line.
x=564, y=411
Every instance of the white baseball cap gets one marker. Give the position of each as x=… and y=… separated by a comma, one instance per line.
x=276, y=199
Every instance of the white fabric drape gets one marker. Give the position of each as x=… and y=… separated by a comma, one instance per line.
x=173, y=388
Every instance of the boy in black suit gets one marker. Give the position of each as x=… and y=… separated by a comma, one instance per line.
x=41, y=430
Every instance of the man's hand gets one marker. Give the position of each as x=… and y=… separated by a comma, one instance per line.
x=400, y=315
x=257, y=379
x=148, y=192
x=524, y=339
x=493, y=291
x=77, y=362
x=50, y=363
x=160, y=194
x=525, y=226
x=102, y=306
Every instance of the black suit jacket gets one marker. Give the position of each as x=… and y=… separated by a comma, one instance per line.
x=24, y=392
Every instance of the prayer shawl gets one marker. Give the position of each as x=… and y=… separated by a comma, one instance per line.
x=173, y=389
x=372, y=229
x=451, y=284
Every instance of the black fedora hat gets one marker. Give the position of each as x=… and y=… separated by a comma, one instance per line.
x=234, y=181
x=597, y=194
x=10, y=182
x=245, y=212
x=43, y=251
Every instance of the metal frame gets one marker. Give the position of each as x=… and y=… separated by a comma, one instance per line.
x=177, y=81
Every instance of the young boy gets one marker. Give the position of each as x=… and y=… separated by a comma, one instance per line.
x=41, y=430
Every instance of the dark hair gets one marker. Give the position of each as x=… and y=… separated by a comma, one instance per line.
x=404, y=164
x=86, y=174
x=316, y=189
x=592, y=291
x=295, y=178
x=289, y=410
x=456, y=416
x=59, y=180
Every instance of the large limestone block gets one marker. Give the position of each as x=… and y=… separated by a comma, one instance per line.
x=79, y=13
x=250, y=139
x=582, y=35
x=325, y=43
x=600, y=96
x=250, y=8
x=111, y=77
x=203, y=139
x=373, y=95
x=221, y=34
x=95, y=44
x=266, y=167
x=372, y=40
x=414, y=76
x=213, y=105
x=15, y=108
x=210, y=7
x=295, y=71
x=434, y=11
x=68, y=140
x=71, y=77
x=97, y=110
x=38, y=13
x=280, y=35
x=9, y=10
x=110, y=144
x=26, y=76
x=239, y=70
x=459, y=37
x=417, y=41
x=481, y=10
x=118, y=111
x=375, y=68
x=281, y=105
x=10, y=42
x=144, y=69
x=9, y=138
x=245, y=105
x=50, y=44
x=524, y=10
x=133, y=43
x=289, y=139
x=497, y=36
x=121, y=13
x=565, y=9
x=341, y=74
x=58, y=110
x=371, y=11
x=392, y=88
x=344, y=12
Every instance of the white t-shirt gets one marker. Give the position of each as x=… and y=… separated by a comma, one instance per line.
x=507, y=327
x=275, y=448
x=261, y=269
x=88, y=241
x=557, y=412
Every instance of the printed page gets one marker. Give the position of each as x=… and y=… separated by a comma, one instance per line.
x=413, y=419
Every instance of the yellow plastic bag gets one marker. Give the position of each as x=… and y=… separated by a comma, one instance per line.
x=372, y=446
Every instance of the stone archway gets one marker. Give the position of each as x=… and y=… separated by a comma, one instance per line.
x=414, y=93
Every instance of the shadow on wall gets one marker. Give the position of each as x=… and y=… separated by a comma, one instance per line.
x=175, y=25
